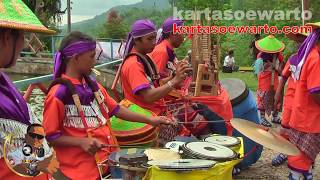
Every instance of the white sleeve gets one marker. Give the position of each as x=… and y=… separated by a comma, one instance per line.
x=226, y=61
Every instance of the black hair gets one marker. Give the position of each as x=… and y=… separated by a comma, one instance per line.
x=230, y=52
x=73, y=37
x=32, y=126
x=166, y=35
x=15, y=33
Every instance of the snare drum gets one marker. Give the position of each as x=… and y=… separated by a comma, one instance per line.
x=237, y=90
x=130, y=133
x=206, y=150
x=174, y=145
x=114, y=160
x=227, y=141
x=160, y=154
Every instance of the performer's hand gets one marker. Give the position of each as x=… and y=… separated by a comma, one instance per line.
x=90, y=145
x=160, y=121
x=49, y=165
x=182, y=72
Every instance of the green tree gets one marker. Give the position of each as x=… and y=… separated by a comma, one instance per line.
x=114, y=27
x=48, y=11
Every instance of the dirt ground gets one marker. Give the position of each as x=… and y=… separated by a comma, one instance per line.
x=263, y=169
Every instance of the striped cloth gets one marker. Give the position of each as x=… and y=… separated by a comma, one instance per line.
x=308, y=143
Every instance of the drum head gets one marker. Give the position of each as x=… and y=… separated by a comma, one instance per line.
x=115, y=156
x=237, y=90
x=206, y=150
x=174, y=145
x=227, y=141
x=183, y=164
x=160, y=154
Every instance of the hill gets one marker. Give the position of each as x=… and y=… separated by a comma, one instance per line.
x=91, y=26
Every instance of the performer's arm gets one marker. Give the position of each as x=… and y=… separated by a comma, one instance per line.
x=124, y=113
x=53, y=116
x=286, y=73
x=151, y=95
x=313, y=80
x=278, y=98
x=89, y=145
x=316, y=97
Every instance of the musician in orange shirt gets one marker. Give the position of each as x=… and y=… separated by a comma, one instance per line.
x=304, y=126
x=77, y=111
x=287, y=99
x=268, y=81
x=202, y=108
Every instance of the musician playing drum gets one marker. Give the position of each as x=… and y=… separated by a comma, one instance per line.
x=165, y=58
x=139, y=75
x=77, y=127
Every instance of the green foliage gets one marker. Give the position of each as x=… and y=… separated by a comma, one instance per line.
x=114, y=27
x=240, y=42
x=49, y=13
x=248, y=77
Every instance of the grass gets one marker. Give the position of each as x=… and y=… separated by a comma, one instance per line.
x=247, y=77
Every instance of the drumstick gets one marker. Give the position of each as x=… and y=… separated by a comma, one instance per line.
x=218, y=121
x=119, y=146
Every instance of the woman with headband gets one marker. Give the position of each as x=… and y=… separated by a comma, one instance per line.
x=77, y=110
x=139, y=74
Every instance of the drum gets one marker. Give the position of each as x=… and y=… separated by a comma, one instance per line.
x=160, y=154
x=206, y=150
x=245, y=108
x=237, y=90
x=186, y=138
x=132, y=162
x=128, y=133
x=227, y=141
x=174, y=145
x=183, y=164
x=116, y=169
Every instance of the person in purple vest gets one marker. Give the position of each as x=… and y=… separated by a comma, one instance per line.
x=15, y=114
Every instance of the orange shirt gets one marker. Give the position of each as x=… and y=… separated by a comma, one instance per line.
x=306, y=112
x=264, y=81
x=288, y=98
x=133, y=80
x=160, y=56
x=264, y=77
x=61, y=118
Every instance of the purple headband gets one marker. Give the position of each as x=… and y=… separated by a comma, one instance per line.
x=139, y=29
x=297, y=61
x=72, y=49
x=167, y=26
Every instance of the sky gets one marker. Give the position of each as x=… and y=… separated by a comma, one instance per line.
x=87, y=9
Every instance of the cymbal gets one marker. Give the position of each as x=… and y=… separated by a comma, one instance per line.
x=267, y=137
